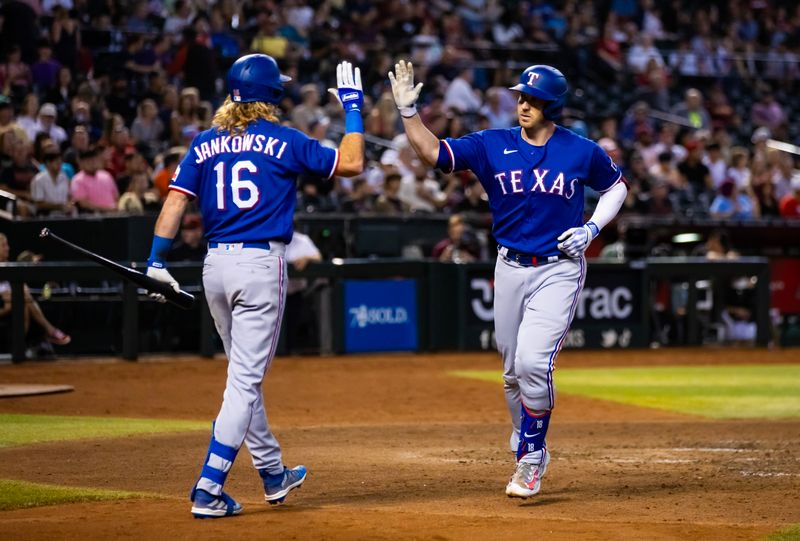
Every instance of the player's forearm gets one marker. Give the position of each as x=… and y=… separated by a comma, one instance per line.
x=351, y=155
x=171, y=213
x=424, y=142
x=609, y=204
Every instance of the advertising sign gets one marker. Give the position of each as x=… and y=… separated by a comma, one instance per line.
x=380, y=315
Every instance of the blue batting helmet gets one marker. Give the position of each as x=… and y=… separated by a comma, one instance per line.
x=256, y=77
x=545, y=83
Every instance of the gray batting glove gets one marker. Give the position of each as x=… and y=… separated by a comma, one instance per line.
x=575, y=240
x=403, y=89
x=162, y=275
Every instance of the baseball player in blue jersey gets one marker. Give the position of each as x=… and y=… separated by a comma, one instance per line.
x=535, y=176
x=243, y=173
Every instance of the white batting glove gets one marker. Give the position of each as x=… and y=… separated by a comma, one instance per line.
x=348, y=92
x=403, y=89
x=162, y=275
x=575, y=240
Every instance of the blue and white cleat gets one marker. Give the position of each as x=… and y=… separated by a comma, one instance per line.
x=527, y=478
x=276, y=487
x=207, y=505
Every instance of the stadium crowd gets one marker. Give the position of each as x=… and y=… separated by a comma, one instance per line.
x=100, y=98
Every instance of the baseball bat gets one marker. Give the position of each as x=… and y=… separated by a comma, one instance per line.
x=179, y=298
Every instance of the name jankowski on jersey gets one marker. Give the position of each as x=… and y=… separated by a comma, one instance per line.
x=511, y=183
x=270, y=146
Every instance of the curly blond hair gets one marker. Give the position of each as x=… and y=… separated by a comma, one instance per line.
x=235, y=117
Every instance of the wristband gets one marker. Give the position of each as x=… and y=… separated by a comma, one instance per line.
x=158, y=253
x=408, y=112
x=353, y=123
x=593, y=229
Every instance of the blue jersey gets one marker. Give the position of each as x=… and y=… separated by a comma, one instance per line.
x=535, y=192
x=246, y=184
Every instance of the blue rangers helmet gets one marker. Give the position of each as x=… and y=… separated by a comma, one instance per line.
x=256, y=77
x=545, y=83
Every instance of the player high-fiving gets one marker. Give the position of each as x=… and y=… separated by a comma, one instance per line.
x=535, y=176
x=243, y=172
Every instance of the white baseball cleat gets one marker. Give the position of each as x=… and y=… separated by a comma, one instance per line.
x=527, y=479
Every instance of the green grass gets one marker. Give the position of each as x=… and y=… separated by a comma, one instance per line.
x=19, y=429
x=718, y=392
x=789, y=534
x=21, y=494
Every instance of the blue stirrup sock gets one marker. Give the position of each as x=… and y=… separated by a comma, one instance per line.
x=218, y=463
x=533, y=430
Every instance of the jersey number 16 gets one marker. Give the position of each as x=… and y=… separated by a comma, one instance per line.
x=238, y=185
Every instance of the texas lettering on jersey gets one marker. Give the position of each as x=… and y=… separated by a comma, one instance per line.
x=544, y=182
x=270, y=146
x=535, y=192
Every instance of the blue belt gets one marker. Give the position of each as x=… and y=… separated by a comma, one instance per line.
x=262, y=245
x=528, y=260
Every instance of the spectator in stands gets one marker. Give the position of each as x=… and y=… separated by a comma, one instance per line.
x=47, y=124
x=200, y=66
x=693, y=171
x=665, y=171
x=138, y=198
x=16, y=75
x=93, y=189
x=45, y=70
x=731, y=203
x=309, y=109
x=18, y=175
x=421, y=192
x=65, y=35
x=180, y=18
x=50, y=187
x=190, y=246
x=7, y=121
x=185, y=115
x=496, y=112
x=32, y=309
x=79, y=142
x=767, y=112
x=267, y=40
x=691, y=109
x=299, y=317
x=475, y=199
x=27, y=118
x=790, y=203
x=460, y=95
x=383, y=120
x=764, y=192
x=460, y=245
x=609, y=53
x=171, y=161
x=717, y=167
x=723, y=115
x=147, y=127
x=62, y=92
x=389, y=202
x=640, y=54
x=658, y=203
x=738, y=169
x=359, y=199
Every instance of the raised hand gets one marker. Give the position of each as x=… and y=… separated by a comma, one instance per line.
x=403, y=89
x=348, y=92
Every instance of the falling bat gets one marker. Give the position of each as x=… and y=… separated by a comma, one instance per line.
x=179, y=298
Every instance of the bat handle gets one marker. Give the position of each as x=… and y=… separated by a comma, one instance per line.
x=44, y=233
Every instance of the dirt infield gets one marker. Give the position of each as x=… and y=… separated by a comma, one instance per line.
x=398, y=449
